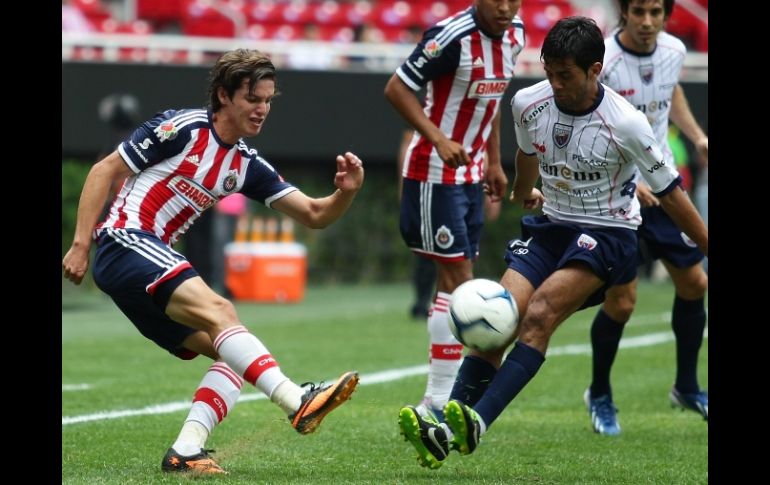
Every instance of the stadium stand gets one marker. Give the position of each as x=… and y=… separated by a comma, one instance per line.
x=354, y=26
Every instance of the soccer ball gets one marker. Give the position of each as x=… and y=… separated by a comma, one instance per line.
x=482, y=314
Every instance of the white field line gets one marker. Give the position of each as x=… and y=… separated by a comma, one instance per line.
x=75, y=387
x=366, y=379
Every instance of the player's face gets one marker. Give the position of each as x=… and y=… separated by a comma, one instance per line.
x=573, y=88
x=644, y=20
x=495, y=16
x=247, y=111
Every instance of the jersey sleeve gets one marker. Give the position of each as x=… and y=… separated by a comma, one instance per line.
x=154, y=141
x=263, y=183
x=429, y=60
x=637, y=143
x=520, y=128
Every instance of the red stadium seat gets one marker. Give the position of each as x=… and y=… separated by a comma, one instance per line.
x=202, y=20
x=336, y=34
x=396, y=13
x=360, y=13
x=160, y=10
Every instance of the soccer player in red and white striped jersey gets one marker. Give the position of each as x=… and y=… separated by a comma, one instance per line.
x=465, y=63
x=172, y=168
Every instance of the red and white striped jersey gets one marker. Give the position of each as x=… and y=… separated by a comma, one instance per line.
x=466, y=72
x=182, y=168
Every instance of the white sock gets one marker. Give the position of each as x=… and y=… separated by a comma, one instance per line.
x=249, y=357
x=215, y=397
x=288, y=396
x=445, y=354
x=191, y=439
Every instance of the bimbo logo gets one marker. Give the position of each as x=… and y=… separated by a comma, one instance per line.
x=487, y=88
x=198, y=197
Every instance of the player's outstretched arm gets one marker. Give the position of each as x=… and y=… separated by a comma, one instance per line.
x=319, y=213
x=681, y=209
x=95, y=191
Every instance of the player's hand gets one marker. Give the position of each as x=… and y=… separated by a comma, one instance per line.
x=702, y=146
x=350, y=172
x=646, y=199
x=75, y=264
x=496, y=184
x=533, y=200
x=452, y=153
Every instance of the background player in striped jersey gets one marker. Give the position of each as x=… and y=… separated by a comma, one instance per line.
x=172, y=168
x=585, y=142
x=642, y=63
x=465, y=62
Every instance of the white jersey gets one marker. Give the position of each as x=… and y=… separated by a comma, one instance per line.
x=588, y=160
x=646, y=80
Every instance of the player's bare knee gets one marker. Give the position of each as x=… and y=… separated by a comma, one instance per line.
x=694, y=288
x=225, y=310
x=620, y=307
x=537, y=325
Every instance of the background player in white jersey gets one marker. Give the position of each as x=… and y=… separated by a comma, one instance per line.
x=465, y=62
x=171, y=169
x=642, y=63
x=585, y=142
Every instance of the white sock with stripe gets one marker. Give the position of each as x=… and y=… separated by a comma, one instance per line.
x=445, y=353
x=215, y=397
x=249, y=357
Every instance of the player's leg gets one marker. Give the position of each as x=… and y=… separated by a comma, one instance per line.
x=213, y=400
x=606, y=330
x=682, y=259
x=560, y=295
x=688, y=320
x=444, y=223
x=194, y=304
x=445, y=349
x=424, y=280
x=479, y=368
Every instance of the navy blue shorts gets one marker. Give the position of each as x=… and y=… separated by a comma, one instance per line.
x=666, y=241
x=140, y=273
x=442, y=221
x=547, y=246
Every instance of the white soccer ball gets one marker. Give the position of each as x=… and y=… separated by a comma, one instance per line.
x=482, y=314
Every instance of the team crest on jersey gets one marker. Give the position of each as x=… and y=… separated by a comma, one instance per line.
x=561, y=134
x=646, y=72
x=230, y=182
x=166, y=131
x=444, y=237
x=432, y=48
x=587, y=242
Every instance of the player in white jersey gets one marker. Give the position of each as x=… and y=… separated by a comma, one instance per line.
x=642, y=63
x=584, y=141
x=171, y=169
x=465, y=62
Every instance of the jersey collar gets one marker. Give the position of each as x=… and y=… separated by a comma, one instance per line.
x=633, y=52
